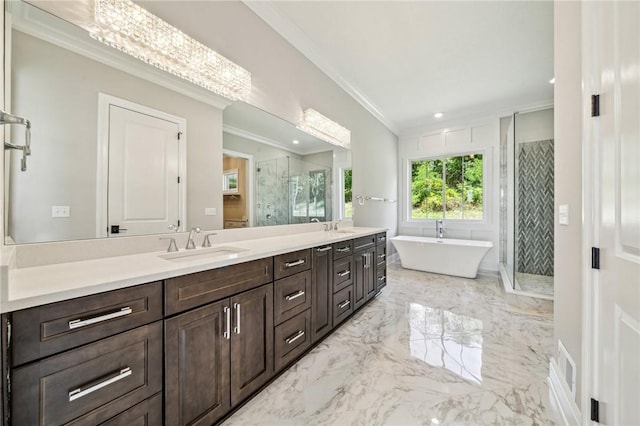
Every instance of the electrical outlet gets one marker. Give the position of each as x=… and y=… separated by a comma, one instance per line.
x=210, y=211
x=60, y=211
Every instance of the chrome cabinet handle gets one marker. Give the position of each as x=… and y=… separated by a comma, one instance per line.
x=84, y=391
x=293, y=296
x=344, y=304
x=296, y=263
x=320, y=250
x=236, y=329
x=77, y=323
x=382, y=278
x=344, y=273
x=382, y=256
x=366, y=260
x=227, y=333
x=382, y=239
x=294, y=337
x=344, y=249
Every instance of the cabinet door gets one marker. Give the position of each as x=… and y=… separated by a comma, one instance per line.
x=364, y=284
x=321, y=292
x=197, y=365
x=251, y=341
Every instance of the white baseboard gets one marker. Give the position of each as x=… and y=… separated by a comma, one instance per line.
x=562, y=395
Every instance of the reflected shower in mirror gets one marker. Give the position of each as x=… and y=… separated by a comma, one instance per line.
x=78, y=94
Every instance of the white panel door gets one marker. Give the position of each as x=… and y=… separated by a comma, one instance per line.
x=617, y=198
x=143, y=193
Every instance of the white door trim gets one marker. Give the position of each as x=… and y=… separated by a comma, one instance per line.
x=250, y=182
x=102, y=165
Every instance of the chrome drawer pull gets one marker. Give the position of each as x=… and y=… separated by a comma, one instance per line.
x=382, y=278
x=320, y=250
x=236, y=329
x=294, y=295
x=344, y=273
x=382, y=256
x=295, y=337
x=227, y=332
x=344, y=249
x=77, y=323
x=382, y=239
x=344, y=304
x=296, y=263
x=79, y=392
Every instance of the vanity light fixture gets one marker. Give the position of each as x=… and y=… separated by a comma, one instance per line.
x=323, y=128
x=438, y=115
x=125, y=26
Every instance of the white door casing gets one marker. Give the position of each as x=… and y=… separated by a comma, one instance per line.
x=615, y=196
x=141, y=154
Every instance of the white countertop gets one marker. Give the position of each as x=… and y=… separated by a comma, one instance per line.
x=39, y=285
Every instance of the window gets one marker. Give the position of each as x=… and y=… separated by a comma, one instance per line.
x=347, y=206
x=448, y=187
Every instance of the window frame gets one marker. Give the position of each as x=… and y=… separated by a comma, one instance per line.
x=443, y=156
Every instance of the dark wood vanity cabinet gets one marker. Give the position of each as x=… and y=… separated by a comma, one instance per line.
x=321, y=292
x=185, y=351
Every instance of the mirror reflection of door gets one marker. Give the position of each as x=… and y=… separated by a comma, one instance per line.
x=235, y=191
x=143, y=173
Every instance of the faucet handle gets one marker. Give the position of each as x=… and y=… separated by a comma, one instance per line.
x=206, y=242
x=327, y=227
x=174, y=227
x=172, y=245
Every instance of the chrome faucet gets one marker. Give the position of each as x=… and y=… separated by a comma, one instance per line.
x=315, y=219
x=191, y=244
x=440, y=228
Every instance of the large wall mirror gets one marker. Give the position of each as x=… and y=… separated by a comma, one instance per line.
x=120, y=149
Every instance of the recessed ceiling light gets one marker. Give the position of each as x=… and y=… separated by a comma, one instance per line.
x=553, y=80
x=296, y=141
x=438, y=115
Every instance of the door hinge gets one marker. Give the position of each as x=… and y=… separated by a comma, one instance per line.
x=178, y=179
x=179, y=135
x=595, y=410
x=178, y=223
x=595, y=105
x=595, y=258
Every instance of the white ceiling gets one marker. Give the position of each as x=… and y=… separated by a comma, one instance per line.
x=404, y=61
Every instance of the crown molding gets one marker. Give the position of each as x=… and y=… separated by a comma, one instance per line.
x=298, y=38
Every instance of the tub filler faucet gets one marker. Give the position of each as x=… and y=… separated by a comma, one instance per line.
x=440, y=228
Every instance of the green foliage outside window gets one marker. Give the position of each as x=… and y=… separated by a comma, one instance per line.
x=348, y=206
x=448, y=187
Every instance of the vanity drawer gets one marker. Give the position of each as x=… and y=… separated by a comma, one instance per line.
x=342, y=273
x=292, y=338
x=49, y=329
x=291, y=263
x=381, y=238
x=147, y=413
x=292, y=296
x=190, y=291
x=381, y=277
x=342, y=249
x=381, y=255
x=98, y=380
x=342, y=304
x=364, y=242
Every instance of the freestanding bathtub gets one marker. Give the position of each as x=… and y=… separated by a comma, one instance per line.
x=447, y=256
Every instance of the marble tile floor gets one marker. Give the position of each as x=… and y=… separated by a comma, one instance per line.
x=430, y=350
x=540, y=284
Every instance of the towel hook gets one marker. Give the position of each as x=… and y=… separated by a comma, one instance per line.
x=6, y=118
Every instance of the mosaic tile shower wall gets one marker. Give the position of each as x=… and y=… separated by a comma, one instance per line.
x=534, y=214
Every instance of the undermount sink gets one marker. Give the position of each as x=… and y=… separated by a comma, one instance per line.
x=345, y=231
x=200, y=254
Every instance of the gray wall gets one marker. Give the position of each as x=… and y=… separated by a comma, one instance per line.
x=568, y=179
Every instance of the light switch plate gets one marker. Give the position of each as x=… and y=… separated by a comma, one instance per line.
x=60, y=211
x=563, y=212
x=210, y=211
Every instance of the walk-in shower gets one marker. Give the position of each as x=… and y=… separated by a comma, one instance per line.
x=290, y=190
x=526, y=202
